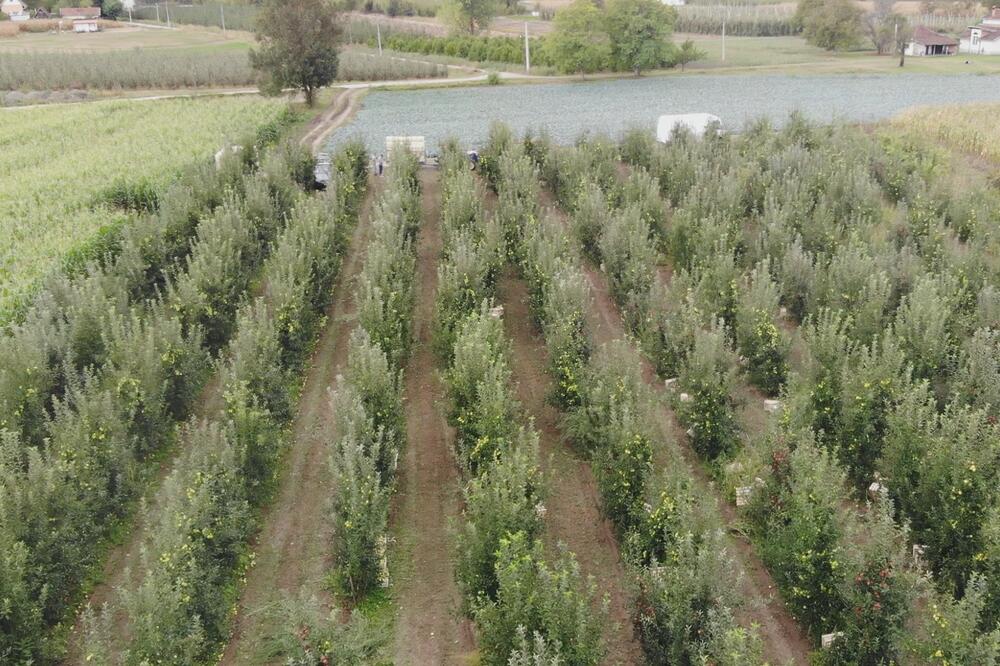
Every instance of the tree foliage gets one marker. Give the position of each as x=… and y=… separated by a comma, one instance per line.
x=640, y=31
x=297, y=46
x=834, y=25
x=468, y=16
x=578, y=45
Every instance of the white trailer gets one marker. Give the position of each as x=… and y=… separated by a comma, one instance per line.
x=695, y=123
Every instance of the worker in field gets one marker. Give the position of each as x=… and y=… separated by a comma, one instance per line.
x=473, y=159
x=380, y=165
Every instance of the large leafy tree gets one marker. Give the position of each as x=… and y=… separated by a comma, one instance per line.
x=834, y=25
x=469, y=16
x=578, y=44
x=297, y=46
x=640, y=33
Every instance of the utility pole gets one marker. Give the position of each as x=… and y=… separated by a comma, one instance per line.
x=157, y=12
x=222, y=13
x=901, y=45
x=527, y=50
x=378, y=31
x=166, y=5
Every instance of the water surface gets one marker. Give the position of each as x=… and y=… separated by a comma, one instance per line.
x=568, y=109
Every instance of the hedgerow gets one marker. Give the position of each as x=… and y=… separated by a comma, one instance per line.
x=137, y=373
x=370, y=429
x=680, y=610
x=196, y=544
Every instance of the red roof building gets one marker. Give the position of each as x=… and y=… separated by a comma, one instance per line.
x=80, y=12
x=926, y=42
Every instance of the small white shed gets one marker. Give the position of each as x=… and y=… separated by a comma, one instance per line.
x=695, y=123
x=414, y=144
x=86, y=25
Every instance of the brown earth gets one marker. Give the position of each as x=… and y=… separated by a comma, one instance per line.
x=573, y=516
x=784, y=641
x=293, y=548
x=429, y=628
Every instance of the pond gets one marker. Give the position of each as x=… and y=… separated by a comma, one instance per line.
x=568, y=109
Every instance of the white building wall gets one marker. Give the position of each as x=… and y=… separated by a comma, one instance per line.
x=982, y=48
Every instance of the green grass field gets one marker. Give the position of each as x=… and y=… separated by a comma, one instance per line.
x=794, y=55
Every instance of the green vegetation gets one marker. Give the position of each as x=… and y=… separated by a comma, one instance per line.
x=195, y=548
x=371, y=429
x=578, y=44
x=297, y=47
x=54, y=209
x=959, y=127
x=468, y=16
x=834, y=25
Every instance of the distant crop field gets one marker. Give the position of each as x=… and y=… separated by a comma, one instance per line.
x=969, y=128
x=57, y=161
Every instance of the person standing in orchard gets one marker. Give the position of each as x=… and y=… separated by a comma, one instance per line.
x=297, y=46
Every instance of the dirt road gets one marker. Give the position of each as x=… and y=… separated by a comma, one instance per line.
x=573, y=514
x=293, y=548
x=429, y=627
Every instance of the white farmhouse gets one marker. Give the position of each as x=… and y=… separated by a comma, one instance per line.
x=674, y=3
x=926, y=42
x=983, y=39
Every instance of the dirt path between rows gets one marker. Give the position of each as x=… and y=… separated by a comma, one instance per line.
x=573, y=515
x=429, y=626
x=784, y=640
x=293, y=547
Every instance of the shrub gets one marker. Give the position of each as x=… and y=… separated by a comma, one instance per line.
x=361, y=504
x=798, y=531
x=684, y=583
x=878, y=594
x=590, y=215
x=940, y=469
x=758, y=332
x=708, y=377
x=463, y=283
x=922, y=325
x=630, y=261
x=306, y=633
x=564, y=324
x=870, y=390
x=977, y=381
x=534, y=597
x=373, y=381
x=506, y=498
x=674, y=323
x=481, y=407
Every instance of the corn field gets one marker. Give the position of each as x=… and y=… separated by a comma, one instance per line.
x=740, y=20
x=967, y=128
x=61, y=161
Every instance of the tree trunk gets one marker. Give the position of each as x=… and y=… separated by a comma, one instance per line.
x=310, y=96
